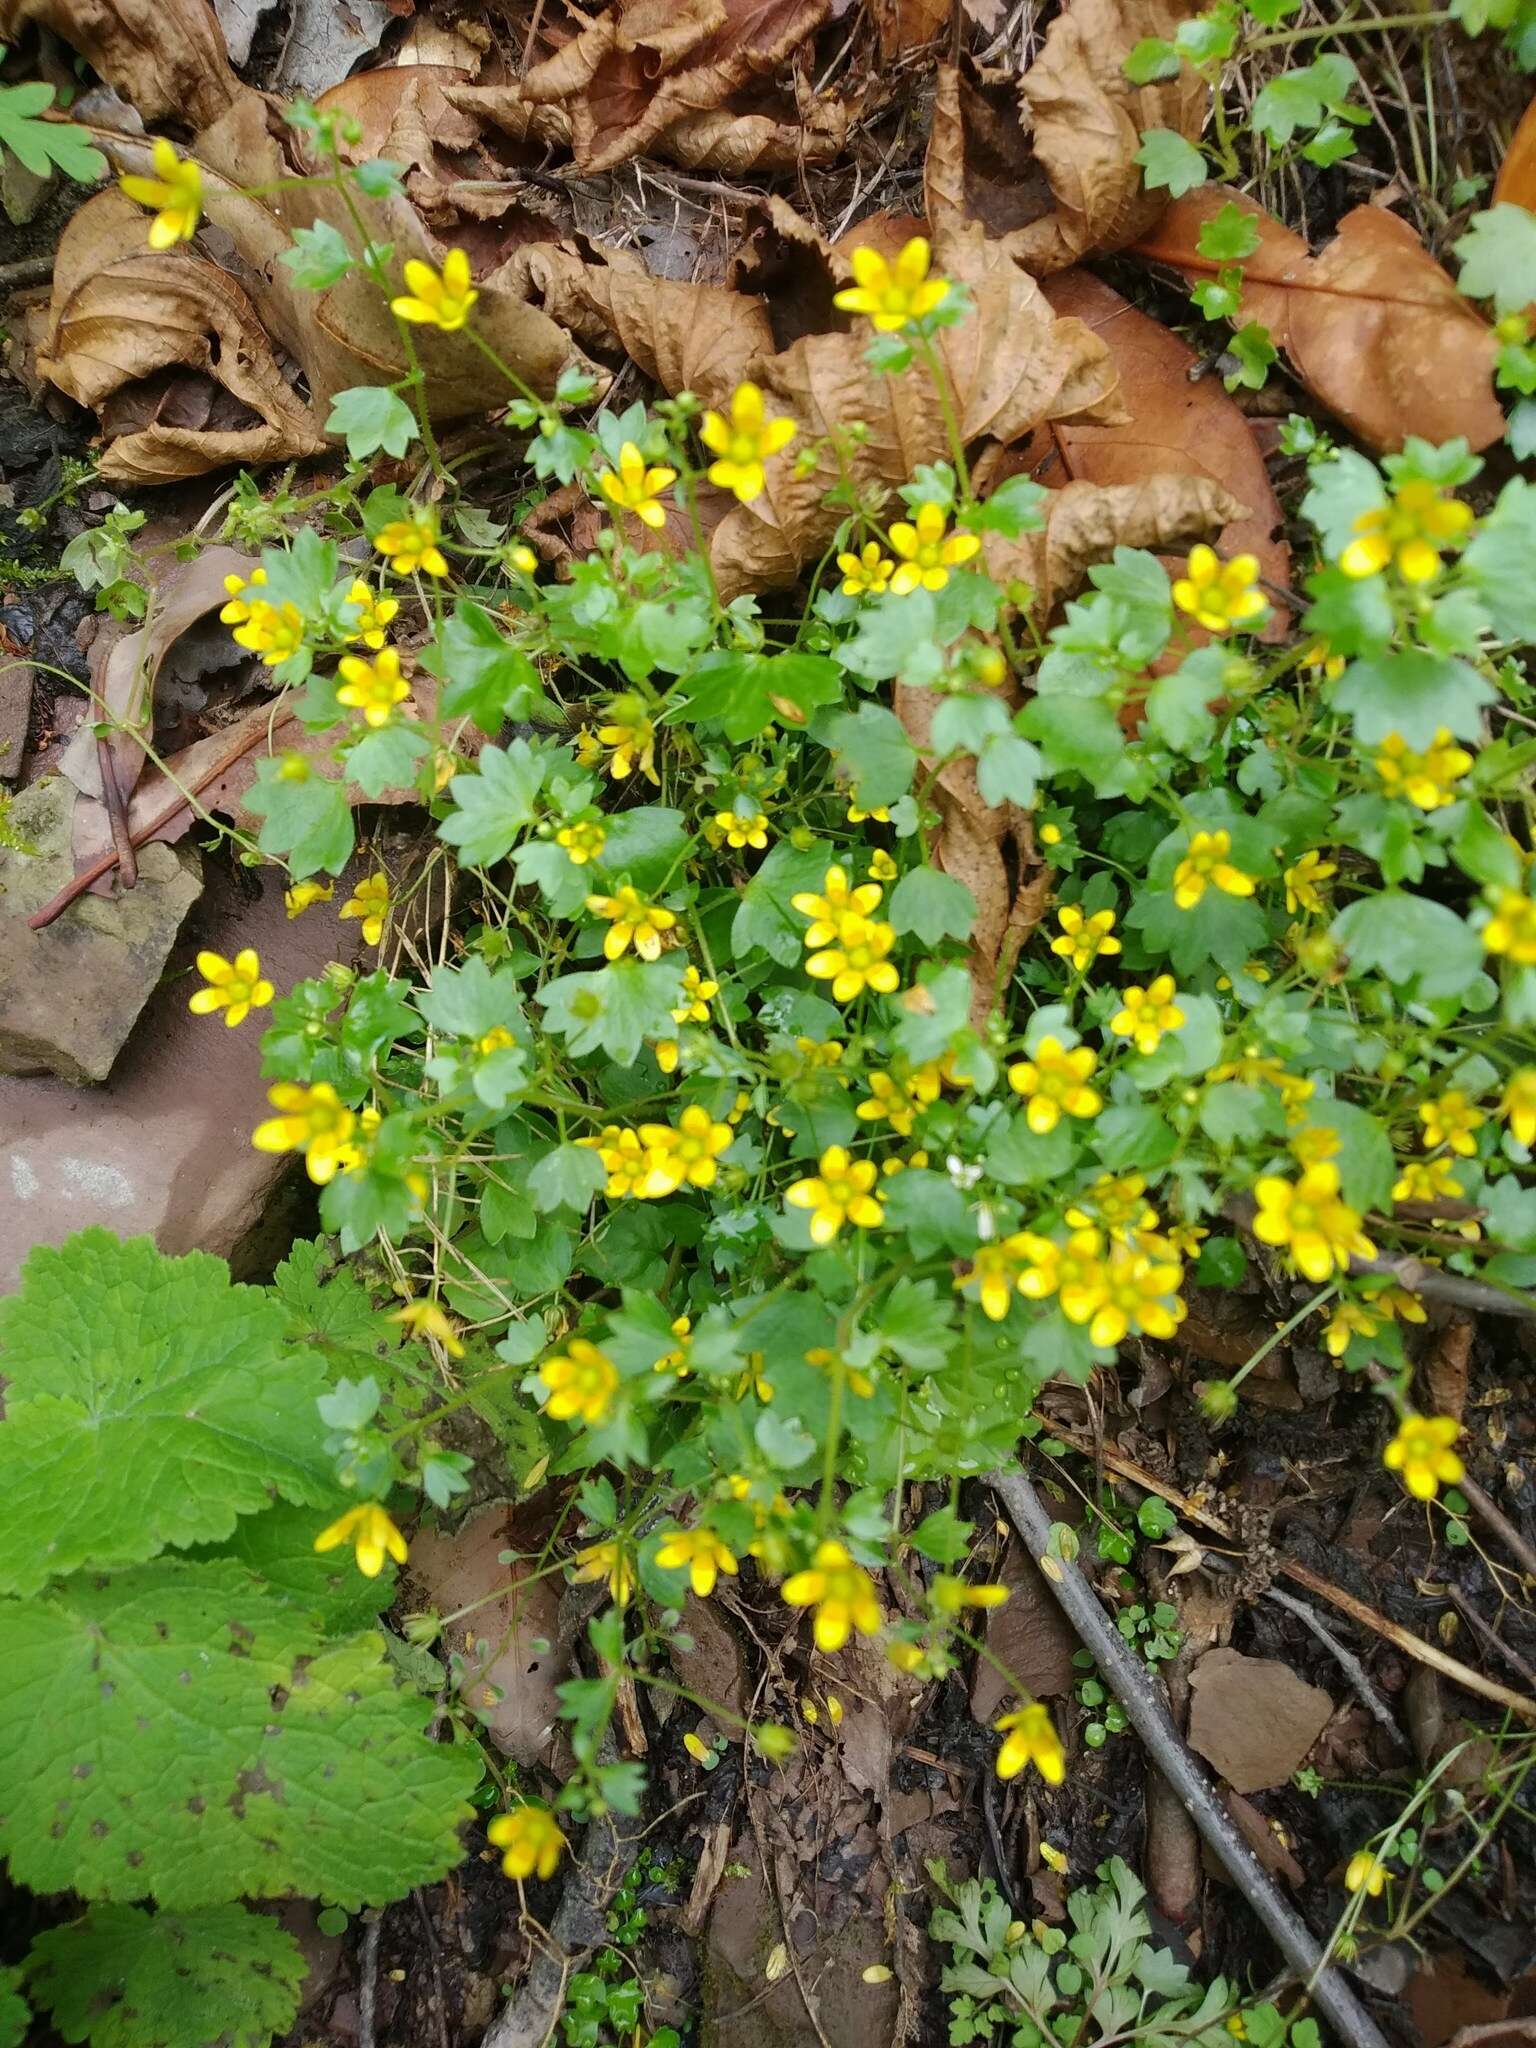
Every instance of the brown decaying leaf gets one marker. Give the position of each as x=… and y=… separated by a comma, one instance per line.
x=1176, y=427
x=1516, y=181
x=119, y=321
x=1372, y=325
x=904, y=25
x=636, y=71
x=1253, y=1718
x=1085, y=122
x=166, y=57
x=979, y=166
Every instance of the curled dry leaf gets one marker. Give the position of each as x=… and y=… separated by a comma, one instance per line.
x=1516, y=181
x=1084, y=121
x=633, y=73
x=1177, y=427
x=166, y=57
x=1011, y=365
x=168, y=350
x=1372, y=325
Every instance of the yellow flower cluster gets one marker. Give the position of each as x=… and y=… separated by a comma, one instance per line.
x=847, y=945
x=580, y=1383
x=314, y=1121
x=1117, y=1279
x=1511, y=930
x=1427, y=780
x=656, y=1160
x=273, y=631
x=701, y=1553
x=900, y=1096
x=1411, y=531
x=1311, y=1222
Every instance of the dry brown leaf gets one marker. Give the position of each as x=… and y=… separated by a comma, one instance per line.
x=1176, y=427
x=979, y=165
x=904, y=25
x=1010, y=365
x=735, y=142
x=166, y=57
x=1516, y=181
x=1372, y=325
x=170, y=330
x=1253, y=1718
x=634, y=72
x=687, y=337
x=1085, y=122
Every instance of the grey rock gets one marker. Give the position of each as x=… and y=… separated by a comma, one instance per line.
x=71, y=993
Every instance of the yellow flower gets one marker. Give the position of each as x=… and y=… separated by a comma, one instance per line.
x=697, y=996
x=688, y=1155
x=700, y=1751
x=313, y=1121
x=898, y=1097
x=952, y=1596
x=303, y=895
x=1219, y=595
x=1365, y=1873
x=676, y=1360
x=627, y=1161
x=836, y=902
x=838, y=1193
x=497, y=1039
x=272, y=631
x=892, y=294
x=881, y=867
x=1421, y=1452
x=1517, y=1105
x=240, y=607
x=583, y=841
x=1426, y=1180
x=1118, y=1203
x=1302, y=878
x=370, y=1532
x=234, y=986
x=1309, y=1219
x=632, y=738
x=374, y=613
x=633, y=487
x=738, y=832
x=856, y=958
x=1254, y=1069
x=880, y=814
x=1124, y=1291
x=995, y=1273
x=605, y=1562
x=1055, y=1084
x=1411, y=530
x=867, y=573
x=176, y=193
x=411, y=544
x=1083, y=939
x=372, y=687
x=743, y=443
x=858, y=1382
x=1512, y=928
x=1450, y=1119
x=581, y=1382
x=1321, y=656
x=926, y=555
x=426, y=1319
x=1427, y=780
x=1148, y=1013
x=1205, y=862
x=370, y=901
x=434, y=299
x=1029, y=1737
x=631, y=921
x=530, y=1839
x=702, y=1552
x=841, y=1592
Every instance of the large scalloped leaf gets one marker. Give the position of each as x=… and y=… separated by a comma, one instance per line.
x=176, y=1731
x=123, y=1978
x=150, y=1402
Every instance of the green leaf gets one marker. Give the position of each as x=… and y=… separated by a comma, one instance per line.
x=278, y=1762
x=1414, y=694
x=933, y=906
x=1364, y=1158
x=1498, y=258
x=1419, y=945
x=1497, y=561
x=468, y=1001
x=1008, y=770
x=15, y=2013
x=1230, y=236
x=40, y=145
x=1301, y=98
x=643, y=844
x=374, y=420
x=386, y=758
x=1015, y=508
x=764, y=921
x=484, y=676
x=567, y=1178
x=616, y=1009
x=150, y=1403
x=495, y=803
x=1178, y=705
x=124, y=1978
x=741, y=694
x=897, y=636
x=1077, y=735
x=1169, y=163
x=319, y=258
x=307, y=816
x=873, y=754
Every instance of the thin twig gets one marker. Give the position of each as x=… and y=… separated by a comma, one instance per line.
x=1147, y=1711
x=368, y=1979
x=1346, y=1660
x=117, y=815
x=1490, y=1636
x=1495, y=1519
x=1418, y=1278
x=439, y=1997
